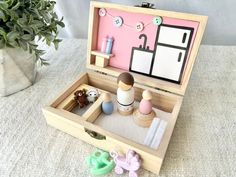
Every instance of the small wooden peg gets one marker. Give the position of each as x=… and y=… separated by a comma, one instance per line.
x=107, y=105
x=106, y=97
x=147, y=95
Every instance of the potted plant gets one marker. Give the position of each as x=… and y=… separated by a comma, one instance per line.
x=22, y=22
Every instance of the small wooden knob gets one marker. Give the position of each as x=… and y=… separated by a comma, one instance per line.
x=147, y=95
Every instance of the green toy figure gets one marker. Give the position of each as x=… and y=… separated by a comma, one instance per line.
x=100, y=163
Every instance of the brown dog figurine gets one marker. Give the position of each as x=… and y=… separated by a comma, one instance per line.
x=81, y=98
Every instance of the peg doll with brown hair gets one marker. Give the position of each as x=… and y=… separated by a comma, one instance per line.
x=125, y=93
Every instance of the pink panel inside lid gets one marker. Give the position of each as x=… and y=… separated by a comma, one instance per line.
x=126, y=36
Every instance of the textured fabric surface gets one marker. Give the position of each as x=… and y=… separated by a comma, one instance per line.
x=203, y=142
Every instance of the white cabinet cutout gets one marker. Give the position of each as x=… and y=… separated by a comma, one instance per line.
x=141, y=61
x=174, y=36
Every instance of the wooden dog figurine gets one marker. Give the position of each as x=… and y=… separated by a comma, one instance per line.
x=81, y=98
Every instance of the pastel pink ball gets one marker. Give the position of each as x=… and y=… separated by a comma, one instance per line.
x=145, y=106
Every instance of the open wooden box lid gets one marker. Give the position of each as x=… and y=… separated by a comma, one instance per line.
x=127, y=40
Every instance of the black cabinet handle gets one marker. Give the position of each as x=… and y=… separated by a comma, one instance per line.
x=180, y=56
x=184, y=37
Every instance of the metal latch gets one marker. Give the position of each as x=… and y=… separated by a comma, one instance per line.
x=94, y=134
x=146, y=5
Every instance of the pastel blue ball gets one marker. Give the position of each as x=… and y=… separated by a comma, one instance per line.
x=107, y=107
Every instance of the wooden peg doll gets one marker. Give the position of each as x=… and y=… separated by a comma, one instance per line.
x=144, y=115
x=145, y=106
x=125, y=94
x=107, y=104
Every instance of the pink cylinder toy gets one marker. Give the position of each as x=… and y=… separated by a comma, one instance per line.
x=104, y=44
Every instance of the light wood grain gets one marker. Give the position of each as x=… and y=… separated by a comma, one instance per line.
x=67, y=121
x=143, y=120
x=101, y=54
x=101, y=62
x=166, y=96
x=74, y=125
x=82, y=79
x=94, y=111
x=69, y=103
x=92, y=33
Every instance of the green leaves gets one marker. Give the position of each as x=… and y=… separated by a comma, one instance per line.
x=56, y=43
x=3, y=5
x=12, y=36
x=2, y=43
x=22, y=20
x=16, y=6
x=2, y=31
x=3, y=16
x=60, y=23
x=27, y=37
x=37, y=24
x=3, y=34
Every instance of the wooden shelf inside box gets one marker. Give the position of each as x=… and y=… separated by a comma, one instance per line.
x=75, y=125
x=101, y=54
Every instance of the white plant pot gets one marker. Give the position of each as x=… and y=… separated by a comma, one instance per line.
x=17, y=70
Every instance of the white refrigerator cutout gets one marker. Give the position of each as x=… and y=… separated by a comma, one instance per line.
x=171, y=51
x=168, y=62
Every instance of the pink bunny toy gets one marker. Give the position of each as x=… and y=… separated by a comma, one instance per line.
x=131, y=162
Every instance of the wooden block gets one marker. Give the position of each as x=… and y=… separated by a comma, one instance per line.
x=101, y=61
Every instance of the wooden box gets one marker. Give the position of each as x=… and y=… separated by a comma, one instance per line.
x=167, y=95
